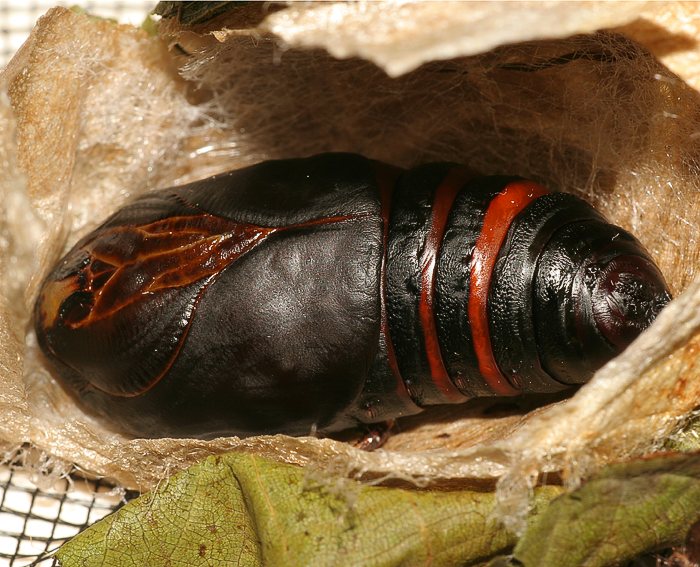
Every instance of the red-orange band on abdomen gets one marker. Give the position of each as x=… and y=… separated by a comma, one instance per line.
x=444, y=198
x=500, y=213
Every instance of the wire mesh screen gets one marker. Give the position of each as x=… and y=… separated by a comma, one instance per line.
x=18, y=18
x=34, y=522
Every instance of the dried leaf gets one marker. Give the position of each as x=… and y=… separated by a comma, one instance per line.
x=626, y=510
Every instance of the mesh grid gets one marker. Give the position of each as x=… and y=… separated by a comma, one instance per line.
x=34, y=522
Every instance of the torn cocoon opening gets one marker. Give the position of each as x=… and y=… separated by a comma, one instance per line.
x=94, y=113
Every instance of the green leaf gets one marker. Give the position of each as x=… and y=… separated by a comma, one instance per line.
x=626, y=510
x=239, y=509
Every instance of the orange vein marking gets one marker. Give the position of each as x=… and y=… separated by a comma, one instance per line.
x=167, y=255
x=175, y=262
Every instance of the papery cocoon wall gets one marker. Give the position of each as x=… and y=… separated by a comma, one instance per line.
x=97, y=113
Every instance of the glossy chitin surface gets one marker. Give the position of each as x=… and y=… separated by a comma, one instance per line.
x=319, y=293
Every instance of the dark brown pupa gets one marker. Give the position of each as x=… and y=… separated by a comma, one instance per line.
x=332, y=291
